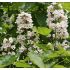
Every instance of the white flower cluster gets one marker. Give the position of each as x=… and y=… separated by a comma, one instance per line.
x=21, y=38
x=8, y=47
x=27, y=36
x=24, y=21
x=57, y=20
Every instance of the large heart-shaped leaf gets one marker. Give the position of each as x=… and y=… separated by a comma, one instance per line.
x=7, y=60
x=36, y=59
x=44, y=30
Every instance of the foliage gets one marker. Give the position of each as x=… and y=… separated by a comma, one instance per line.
x=36, y=59
x=49, y=58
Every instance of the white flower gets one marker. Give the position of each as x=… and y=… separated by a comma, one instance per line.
x=59, y=14
x=13, y=47
x=30, y=33
x=9, y=53
x=65, y=44
x=11, y=40
x=21, y=49
x=5, y=40
x=8, y=40
x=21, y=38
x=3, y=53
x=12, y=53
x=53, y=35
x=6, y=45
x=49, y=43
x=52, y=26
x=50, y=8
x=64, y=24
x=40, y=50
x=30, y=42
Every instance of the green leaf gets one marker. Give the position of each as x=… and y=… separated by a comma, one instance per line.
x=40, y=17
x=55, y=54
x=43, y=30
x=58, y=66
x=17, y=5
x=12, y=17
x=36, y=59
x=66, y=5
x=7, y=26
x=29, y=7
x=45, y=47
x=50, y=65
x=7, y=60
x=22, y=63
x=42, y=46
x=3, y=30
